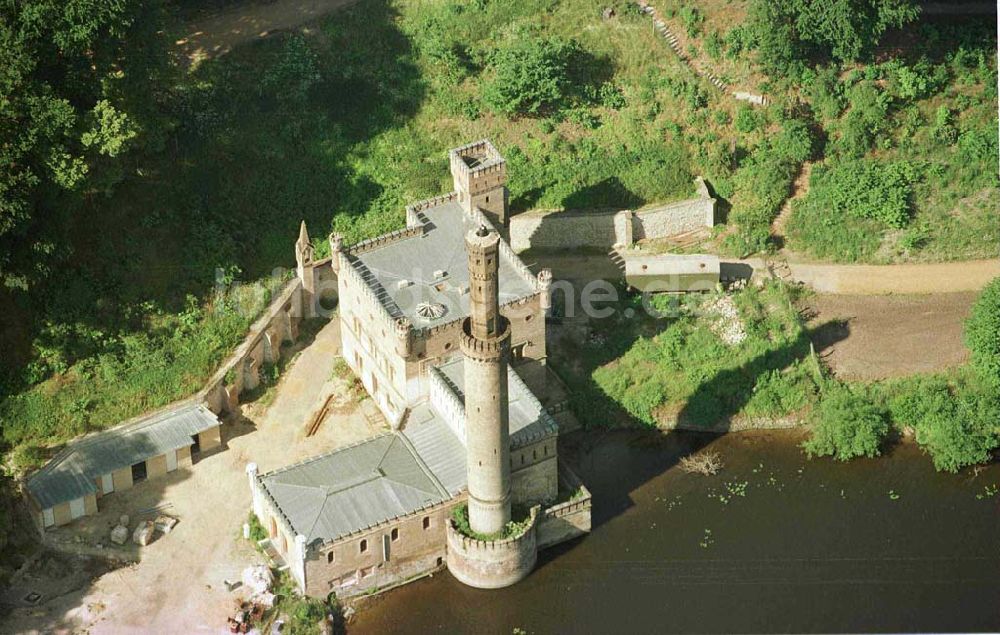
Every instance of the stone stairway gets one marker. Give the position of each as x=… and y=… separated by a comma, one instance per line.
x=619, y=261
x=661, y=27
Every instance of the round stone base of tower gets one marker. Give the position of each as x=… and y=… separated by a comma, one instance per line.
x=493, y=564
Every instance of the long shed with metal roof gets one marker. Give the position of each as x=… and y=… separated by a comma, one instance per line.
x=69, y=486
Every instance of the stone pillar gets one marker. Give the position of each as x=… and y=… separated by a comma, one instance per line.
x=299, y=566
x=486, y=346
x=254, y=491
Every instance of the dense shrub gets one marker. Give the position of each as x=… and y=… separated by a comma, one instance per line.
x=748, y=119
x=530, y=74
x=864, y=122
x=982, y=334
x=763, y=183
x=847, y=425
x=955, y=423
x=850, y=205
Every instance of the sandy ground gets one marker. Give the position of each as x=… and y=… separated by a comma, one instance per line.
x=178, y=585
x=888, y=336
x=217, y=34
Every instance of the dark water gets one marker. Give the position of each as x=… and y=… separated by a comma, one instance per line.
x=873, y=545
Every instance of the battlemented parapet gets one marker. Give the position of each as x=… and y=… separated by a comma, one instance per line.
x=493, y=564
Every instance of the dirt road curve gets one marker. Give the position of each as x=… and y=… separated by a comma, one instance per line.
x=888, y=336
x=216, y=34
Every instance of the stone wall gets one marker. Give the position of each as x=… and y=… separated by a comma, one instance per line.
x=556, y=230
x=394, y=551
x=568, y=519
x=492, y=564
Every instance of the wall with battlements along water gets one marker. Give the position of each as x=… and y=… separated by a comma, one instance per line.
x=555, y=230
x=492, y=564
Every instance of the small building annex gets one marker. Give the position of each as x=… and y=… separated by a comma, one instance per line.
x=96, y=465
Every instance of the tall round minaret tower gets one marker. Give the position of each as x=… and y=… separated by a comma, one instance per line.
x=486, y=346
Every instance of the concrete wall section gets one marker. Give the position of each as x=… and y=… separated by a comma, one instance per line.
x=156, y=466
x=208, y=440
x=122, y=478
x=564, y=522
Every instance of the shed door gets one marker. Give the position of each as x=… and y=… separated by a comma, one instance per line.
x=107, y=484
x=171, y=460
x=76, y=508
x=48, y=519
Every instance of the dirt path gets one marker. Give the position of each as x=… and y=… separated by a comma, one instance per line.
x=944, y=277
x=799, y=189
x=177, y=587
x=890, y=336
x=215, y=35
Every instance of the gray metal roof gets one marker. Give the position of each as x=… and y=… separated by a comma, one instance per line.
x=72, y=473
x=353, y=488
x=405, y=269
x=437, y=445
x=528, y=419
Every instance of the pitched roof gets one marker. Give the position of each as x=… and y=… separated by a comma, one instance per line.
x=528, y=419
x=395, y=474
x=71, y=474
x=352, y=488
x=404, y=272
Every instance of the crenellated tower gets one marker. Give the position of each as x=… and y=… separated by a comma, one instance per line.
x=486, y=346
x=480, y=176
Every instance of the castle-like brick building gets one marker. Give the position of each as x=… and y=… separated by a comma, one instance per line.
x=436, y=319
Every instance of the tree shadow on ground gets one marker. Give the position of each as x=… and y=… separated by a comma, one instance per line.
x=717, y=400
x=609, y=192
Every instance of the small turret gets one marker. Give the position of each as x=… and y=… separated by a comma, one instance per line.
x=404, y=337
x=336, y=247
x=545, y=290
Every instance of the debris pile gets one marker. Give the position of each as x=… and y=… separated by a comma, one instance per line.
x=728, y=325
x=119, y=535
x=143, y=534
x=258, y=579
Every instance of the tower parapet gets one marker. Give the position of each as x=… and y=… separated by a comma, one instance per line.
x=486, y=346
x=480, y=176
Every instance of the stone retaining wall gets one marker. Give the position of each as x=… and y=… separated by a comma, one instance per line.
x=556, y=230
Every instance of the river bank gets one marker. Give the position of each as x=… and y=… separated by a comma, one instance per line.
x=774, y=543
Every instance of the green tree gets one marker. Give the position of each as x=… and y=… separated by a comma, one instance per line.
x=78, y=80
x=847, y=426
x=788, y=32
x=982, y=333
x=530, y=74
